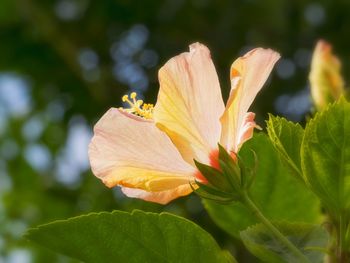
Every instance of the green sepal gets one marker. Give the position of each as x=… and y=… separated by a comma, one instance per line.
x=248, y=174
x=213, y=194
x=230, y=168
x=224, y=185
x=229, y=182
x=213, y=176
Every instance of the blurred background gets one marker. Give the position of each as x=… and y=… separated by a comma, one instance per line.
x=63, y=63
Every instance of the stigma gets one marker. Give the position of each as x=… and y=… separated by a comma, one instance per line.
x=137, y=107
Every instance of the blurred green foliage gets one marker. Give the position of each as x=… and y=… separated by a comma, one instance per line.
x=65, y=62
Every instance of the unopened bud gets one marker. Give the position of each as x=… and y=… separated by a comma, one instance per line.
x=327, y=84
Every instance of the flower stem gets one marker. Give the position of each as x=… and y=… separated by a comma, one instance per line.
x=255, y=210
x=342, y=254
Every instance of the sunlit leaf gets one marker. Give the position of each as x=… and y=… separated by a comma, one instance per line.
x=286, y=137
x=129, y=237
x=326, y=156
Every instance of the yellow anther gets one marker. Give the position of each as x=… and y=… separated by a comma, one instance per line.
x=137, y=107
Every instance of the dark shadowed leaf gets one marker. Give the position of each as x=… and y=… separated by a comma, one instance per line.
x=311, y=240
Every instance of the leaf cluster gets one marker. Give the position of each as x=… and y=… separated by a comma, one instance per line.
x=319, y=156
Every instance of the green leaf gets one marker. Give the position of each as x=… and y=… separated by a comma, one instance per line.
x=326, y=156
x=129, y=237
x=287, y=137
x=311, y=240
x=279, y=195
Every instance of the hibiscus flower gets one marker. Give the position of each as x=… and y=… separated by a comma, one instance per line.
x=150, y=151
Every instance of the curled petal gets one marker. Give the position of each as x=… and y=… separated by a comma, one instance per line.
x=247, y=130
x=130, y=151
x=162, y=197
x=190, y=104
x=248, y=75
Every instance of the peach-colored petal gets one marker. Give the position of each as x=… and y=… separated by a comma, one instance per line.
x=248, y=75
x=247, y=130
x=190, y=104
x=162, y=197
x=130, y=151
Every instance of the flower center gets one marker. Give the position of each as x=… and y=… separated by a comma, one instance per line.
x=137, y=107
